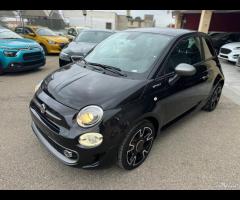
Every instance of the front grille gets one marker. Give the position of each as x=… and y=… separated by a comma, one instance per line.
x=44, y=118
x=32, y=63
x=52, y=115
x=33, y=56
x=225, y=51
x=76, y=58
x=223, y=56
x=58, y=147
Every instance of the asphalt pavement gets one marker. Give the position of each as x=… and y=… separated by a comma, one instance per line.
x=201, y=151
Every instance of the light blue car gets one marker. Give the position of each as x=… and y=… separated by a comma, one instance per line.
x=18, y=53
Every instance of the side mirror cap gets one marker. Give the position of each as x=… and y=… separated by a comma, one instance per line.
x=185, y=69
x=32, y=34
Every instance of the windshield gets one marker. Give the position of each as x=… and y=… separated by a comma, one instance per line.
x=9, y=34
x=92, y=36
x=46, y=32
x=133, y=52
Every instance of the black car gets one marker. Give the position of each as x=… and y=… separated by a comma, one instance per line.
x=82, y=44
x=111, y=105
x=220, y=39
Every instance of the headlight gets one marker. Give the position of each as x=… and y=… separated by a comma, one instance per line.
x=90, y=140
x=37, y=86
x=51, y=42
x=64, y=56
x=89, y=116
x=10, y=53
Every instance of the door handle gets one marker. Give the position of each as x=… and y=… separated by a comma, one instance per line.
x=205, y=77
x=156, y=85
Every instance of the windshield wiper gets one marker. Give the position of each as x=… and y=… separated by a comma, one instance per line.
x=115, y=70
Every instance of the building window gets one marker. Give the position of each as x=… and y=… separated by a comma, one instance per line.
x=108, y=25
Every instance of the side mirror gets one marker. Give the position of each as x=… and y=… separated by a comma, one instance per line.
x=32, y=34
x=182, y=69
x=185, y=69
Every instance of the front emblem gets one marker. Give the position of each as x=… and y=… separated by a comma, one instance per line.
x=43, y=108
x=67, y=153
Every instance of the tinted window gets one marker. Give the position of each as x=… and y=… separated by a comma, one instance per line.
x=19, y=30
x=46, y=32
x=208, y=50
x=92, y=36
x=187, y=51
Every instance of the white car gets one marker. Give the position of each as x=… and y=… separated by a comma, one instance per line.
x=238, y=61
x=230, y=51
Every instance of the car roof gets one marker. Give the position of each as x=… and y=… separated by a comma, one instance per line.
x=164, y=31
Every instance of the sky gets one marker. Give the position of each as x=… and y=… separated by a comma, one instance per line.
x=162, y=17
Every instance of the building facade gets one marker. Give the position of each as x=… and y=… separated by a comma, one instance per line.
x=107, y=20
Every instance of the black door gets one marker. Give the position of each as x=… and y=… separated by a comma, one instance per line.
x=175, y=98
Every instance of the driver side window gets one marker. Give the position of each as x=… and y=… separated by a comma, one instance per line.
x=188, y=50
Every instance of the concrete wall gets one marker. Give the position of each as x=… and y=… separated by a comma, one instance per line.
x=121, y=22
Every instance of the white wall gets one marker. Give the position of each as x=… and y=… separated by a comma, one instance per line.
x=94, y=19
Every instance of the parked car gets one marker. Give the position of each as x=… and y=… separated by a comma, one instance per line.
x=111, y=105
x=230, y=52
x=19, y=54
x=50, y=41
x=82, y=44
x=64, y=34
x=215, y=33
x=238, y=61
x=75, y=30
x=224, y=38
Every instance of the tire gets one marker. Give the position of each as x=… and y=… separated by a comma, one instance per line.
x=45, y=49
x=136, y=145
x=214, y=99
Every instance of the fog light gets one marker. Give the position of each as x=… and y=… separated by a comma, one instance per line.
x=90, y=140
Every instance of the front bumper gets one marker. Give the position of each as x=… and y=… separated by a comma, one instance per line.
x=238, y=62
x=232, y=57
x=24, y=66
x=24, y=60
x=56, y=48
x=58, y=141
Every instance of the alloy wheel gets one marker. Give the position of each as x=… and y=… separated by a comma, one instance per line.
x=139, y=146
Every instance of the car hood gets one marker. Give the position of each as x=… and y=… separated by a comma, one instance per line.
x=18, y=43
x=231, y=45
x=77, y=87
x=58, y=39
x=79, y=48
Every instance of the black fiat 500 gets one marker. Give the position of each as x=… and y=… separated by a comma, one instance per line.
x=111, y=105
